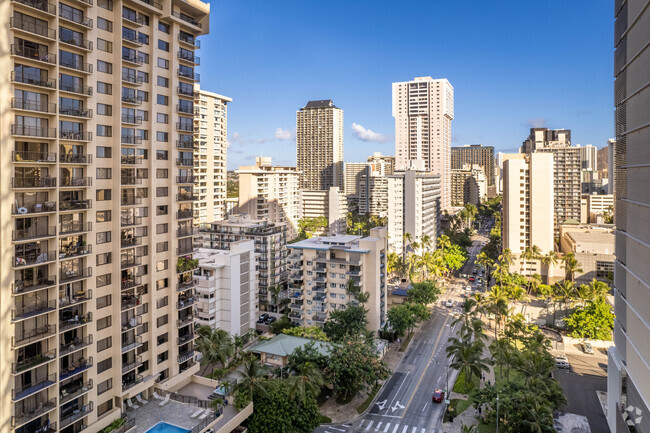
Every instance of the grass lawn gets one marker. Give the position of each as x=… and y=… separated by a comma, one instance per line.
x=324, y=419
x=367, y=402
x=487, y=428
x=461, y=387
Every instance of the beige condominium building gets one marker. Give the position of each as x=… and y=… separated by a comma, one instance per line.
x=628, y=372
x=381, y=164
x=331, y=204
x=413, y=207
x=468, y=185
x=353, y=173
x=527, y=202
x=373, y=195
x=423, y=110
x=210, y=145
x=96, y=173
x=270, y=193
x=270, y=251
x=321, y=267
x=474, y=154
x=319, y=140
x=566, y=171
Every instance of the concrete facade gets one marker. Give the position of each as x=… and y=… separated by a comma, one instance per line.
x=331, y=204
x=593, y=247
x=373, y=196
x=423, y=110
x=381, y=164
x=468, y=185
x=354, y=171
x=474, y=154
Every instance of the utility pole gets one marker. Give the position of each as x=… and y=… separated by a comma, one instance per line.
x=497, y=413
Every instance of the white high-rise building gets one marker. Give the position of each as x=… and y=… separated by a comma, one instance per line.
x=210, y=144
x=413, y=207
x=588, y=159
x=331, y=204
x=423, y=110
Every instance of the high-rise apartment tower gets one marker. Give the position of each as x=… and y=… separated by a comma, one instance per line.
x=474, y=154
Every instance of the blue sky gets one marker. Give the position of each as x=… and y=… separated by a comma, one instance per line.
x=513, y=64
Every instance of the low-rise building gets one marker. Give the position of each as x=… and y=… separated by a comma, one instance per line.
x=276, y=351
x=597, y=205
x=321, y=268
x=270, y=252
x=226, y=287
x=593, y=247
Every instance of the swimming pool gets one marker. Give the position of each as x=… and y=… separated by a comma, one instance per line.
x=163, y=427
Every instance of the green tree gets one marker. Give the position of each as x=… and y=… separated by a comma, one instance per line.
x=594, y=322
x=253, y=379
x=401, y=319
x=341, y=323
x=314, y=332
x=454, y=257
x=306, y=382
x=279, y=326
x=216, y=347
x=424, y=293
x=306, y=354
x=466, y=357
x=571, y=266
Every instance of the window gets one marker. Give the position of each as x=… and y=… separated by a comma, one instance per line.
x=105, y=67
x=104, y=152
x=162, y=118
x=163, y=27
x=144, y=57
x=104, y=45
x=104, y=131
x=104, y=109
x=103, y=280
x=105, y=88
x=163, y=137
x=104, y=173
x=162, y=321
x=162, y=228
x=103, y=237
x=162, y=100
x=163, y=356
x=104, y=259
x=162, y=63
x=105, y=407
x=161, y=265
x=162, y=173
x=106, y=4
x=103, y=194
x=162, y=45
x=162, y=339
x=104, y=24
x=104, y=386
x=142, y=113
x=162, y=284
x=162, y=191
x=104, y=365
x=103, y=323
x=104, y=344
x=103, y=301
x=162, y=155
x=161, y=247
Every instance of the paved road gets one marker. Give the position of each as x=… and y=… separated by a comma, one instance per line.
x=404, y=404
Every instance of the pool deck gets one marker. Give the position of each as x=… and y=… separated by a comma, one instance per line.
x=178, y=414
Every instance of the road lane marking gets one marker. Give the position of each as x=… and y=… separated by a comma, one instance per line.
x=400, y=387
x=415, y=429
x=369, y=425
x=425, y=406
x=387, y=427
x=423, y=430
x=396, y=427
x=361, y=423
x=339, y=429
x=433, y=353
x=405, y=428
x=378, y=426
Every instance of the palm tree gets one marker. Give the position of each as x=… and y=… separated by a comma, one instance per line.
x=545, y=293
x=215, y=345
x=539, y=417
x=506, y=259
x=565, y=291
x=307, y=381
x=275, y=294
x=585, y=293
x=502, y=355
x=444, y=242
x=571, y=266
x=466, y=357
x=253, y=377
x=534, y=364
x=517, y=294
x=550, y=260
x=599, y=289
x=468, y=428
x=425, y=243
x=352, y=289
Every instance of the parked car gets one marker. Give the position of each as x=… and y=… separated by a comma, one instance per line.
x=586, y=348
x=263, y=318
x=562, y=365
x=438, y=396
x=471, y=279
x=271, y=319
x=561, y=358
x=449, y=303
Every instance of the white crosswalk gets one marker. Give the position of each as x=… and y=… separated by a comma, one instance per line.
x=385, y=427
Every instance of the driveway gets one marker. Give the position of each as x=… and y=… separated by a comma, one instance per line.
x=580, y=391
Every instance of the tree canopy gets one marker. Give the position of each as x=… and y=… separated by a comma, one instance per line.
x=595, y=321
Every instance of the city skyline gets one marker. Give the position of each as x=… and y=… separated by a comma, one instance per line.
x=484, y=74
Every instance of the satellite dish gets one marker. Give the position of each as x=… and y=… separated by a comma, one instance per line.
x=22, y=210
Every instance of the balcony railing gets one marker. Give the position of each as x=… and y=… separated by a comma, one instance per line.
x=132, y=382
x=185, y=109
x=33, y=182
x=73, y=322
x=75, y=158
x=67, y=205
x=77, y=298
x=185, y=249
x=133, y=79
x=33, y=54
x=134, y=100
x=33, y=413
x=128, y=222
x=189, y=40
x=186, y=179
x=186, y=197
x=75, y=181
x=76, y=368
x=129, y=118
x=136, y=362
x=32, y=335
x=189, y=57
x=19, y=287
x=33, y=361
x=32, y=27
x=34, y=233
x=187, y=127
x=76, y=17
x=33, y=310
x=40, y=5
x=130, y=242
x=127, y=283
x=184, y=214
x=78, y=42
x=84, y=411
x=131, y=323
x=75, y=227
x=185, y=338
x=186, y=232
x=77, y=66
x=24, y=78
x=186, y=321
x=30, y=105
x=184, y=144
x=84, y=114
x=131, y=139
x=33, y=131
x=185, y=162
x=189, y=75
x=25, y=390
x=131, y=159
x=74, y=391
x=187, y=355
x=137, y=60
x=185, y=92
x=187, y=19
x=75, y=344
x=185, y=303
x=131, y=343
x=153, y=3
x=74, y=88
x=130, y=262
x=76, y=135
x=77, y=274
x=34, y=259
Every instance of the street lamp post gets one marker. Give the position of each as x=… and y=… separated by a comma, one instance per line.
x=497, y=413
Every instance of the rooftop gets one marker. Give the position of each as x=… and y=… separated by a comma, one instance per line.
x=348, y=242
x=592, y=241
x=323, y=103
x=284, y=345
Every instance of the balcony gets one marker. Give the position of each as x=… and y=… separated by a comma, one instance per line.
x=181, y=233
x=185, y=303
x=78, y=42
x=153, y=4
x=34, y=259
x=189, y=57
x=129, y=242
x=187, y=127
x=186, y=19
x=185, y=356
x=29, y=105
x=33, y=310
x=76, y=135
x=189, y=40
x=32, y=28
x=131, y=160
x=71, y=205
x=33, y=54
x=131, y=343
x=130, y=139
x=79, y=90
x=137, y=361
x=185, y=321
x=33, y=362
x=36, y=411
x=75, y=344
x=71, y=112
x=75, y=251
x=132, y=382
x=130, y=180
x=189, y=75
x=84, y=411
x=84, y=67
x=39, y=5
x=131, y=79
x=75, y=158
x=131, y=201
x=185, y=109
x=35, y=232
x=24, y=391
x=33, y=182
x=48, y=83
x=77, y=298
x=74, y=391
x=185, y=338
x=74, y=322
x=131, y=323
x=128, y=283
x=78, y=367
x=33, y=131
x=19, y=287
x=134, y=60
x=185, y=162
x=184, y=214
x=73, y=275
x=33, y=335
x=183, y=250
x=131, y=38
x=184, y=144
x=128, y=302
x=186, y=197
x=131, y=119
x=77, y=18
x=130, y=262
x=186, y=179
x=186, y=285
x=185, y=92
x=75, y=227
x=130, y=222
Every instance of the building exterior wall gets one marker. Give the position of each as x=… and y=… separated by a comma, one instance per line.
x=423, y=110
x=588, y=157
x=210, y=165
x=381, y=164
x=474, y=154
x=353, y=173
x=331, y=204
x=632, y=207
x=97, y=207
x=373, y=195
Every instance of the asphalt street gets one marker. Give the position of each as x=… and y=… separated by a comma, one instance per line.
x=404, y=403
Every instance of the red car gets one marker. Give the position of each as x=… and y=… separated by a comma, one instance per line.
x=438, y=396
x=471, y=278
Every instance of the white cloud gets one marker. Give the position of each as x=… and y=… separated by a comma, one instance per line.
x=364, y=134
x=284, y=134
x=235, y=137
